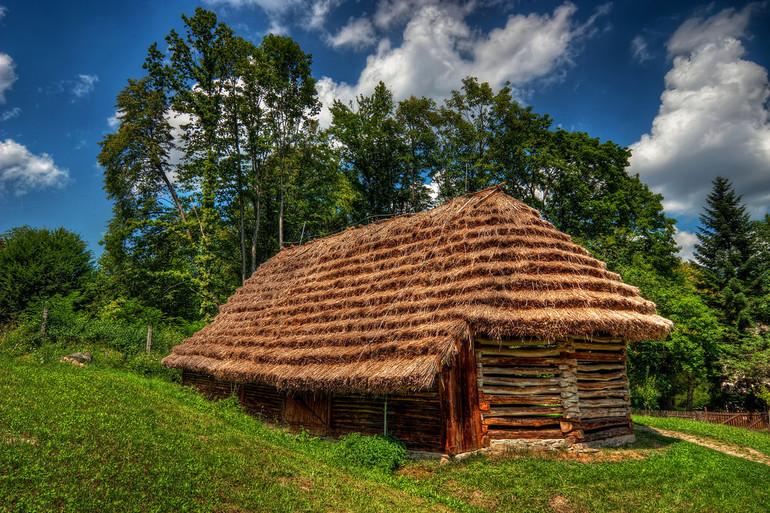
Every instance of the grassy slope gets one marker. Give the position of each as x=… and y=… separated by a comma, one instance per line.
x=90, y=440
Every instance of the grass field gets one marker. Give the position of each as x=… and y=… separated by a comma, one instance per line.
x=90, y=439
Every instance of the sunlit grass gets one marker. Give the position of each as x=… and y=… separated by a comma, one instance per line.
x=89, y=439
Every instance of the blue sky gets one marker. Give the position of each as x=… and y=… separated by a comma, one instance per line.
x=684, y=84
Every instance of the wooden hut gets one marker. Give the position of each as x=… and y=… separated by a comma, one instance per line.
x=466, y=325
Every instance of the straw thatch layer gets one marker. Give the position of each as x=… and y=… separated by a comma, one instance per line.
x=380, y=308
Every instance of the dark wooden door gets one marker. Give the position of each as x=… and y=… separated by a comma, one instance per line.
x=459, y=402
x=308, y=410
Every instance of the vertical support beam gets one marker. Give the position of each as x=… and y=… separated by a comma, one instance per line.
x=570, y=398
x=458, y=395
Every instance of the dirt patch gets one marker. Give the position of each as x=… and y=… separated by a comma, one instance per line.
x=561, y=504
x=731, y=449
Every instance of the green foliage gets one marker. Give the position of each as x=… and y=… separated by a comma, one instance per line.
x=37, y=264
x=385, y=453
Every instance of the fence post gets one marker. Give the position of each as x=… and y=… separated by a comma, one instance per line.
x=45, y=320
x=149, y=337
x=706, y=413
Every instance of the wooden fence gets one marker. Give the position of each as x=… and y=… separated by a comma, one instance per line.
x=756, y=421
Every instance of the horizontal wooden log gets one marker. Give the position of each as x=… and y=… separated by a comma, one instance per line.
x=534, y=434
x=595, y=413
x=596, y=357
x=527, y=399
x=525, y=391
x=608, y=433
x=617, y=402
x=592, y=346
x=520, y=353
x=519, y=382
x=522, y=421
x=517, y=411
x=588, y=425
x=593, y=367
x=526, y=362
x=612, y=392
x=599, y=376
x=517, y=371
x=600, y=385
x=513, y=342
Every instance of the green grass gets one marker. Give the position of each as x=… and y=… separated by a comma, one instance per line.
x=757, y=440
x=90, y=439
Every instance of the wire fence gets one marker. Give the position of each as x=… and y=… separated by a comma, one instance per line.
x=756, y=421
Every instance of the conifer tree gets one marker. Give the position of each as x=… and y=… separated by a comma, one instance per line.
x=726, y=256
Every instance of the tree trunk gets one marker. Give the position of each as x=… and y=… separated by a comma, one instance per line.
x=280, y=211
x=690, y=392
x=171, y=190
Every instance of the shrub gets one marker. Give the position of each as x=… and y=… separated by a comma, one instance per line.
x=385, y=453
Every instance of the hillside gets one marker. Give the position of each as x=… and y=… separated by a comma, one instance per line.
x=88, y=439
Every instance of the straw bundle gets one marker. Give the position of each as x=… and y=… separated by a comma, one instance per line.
x=379, y=308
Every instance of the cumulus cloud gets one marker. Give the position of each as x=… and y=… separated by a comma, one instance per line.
x=713, y=118
x=21, y=171
x=3, y=11
x=7, y=74
x=438, y=46
x=687, y=242
x=357, y=34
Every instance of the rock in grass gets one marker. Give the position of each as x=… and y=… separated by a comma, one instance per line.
x=77, y=359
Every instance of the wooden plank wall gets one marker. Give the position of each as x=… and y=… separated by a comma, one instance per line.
x=263, y=401
x=414, y=418
x=603, y=389
x=208, y=386
x=519, y=388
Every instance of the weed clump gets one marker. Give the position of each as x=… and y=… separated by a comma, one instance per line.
x=384, y=453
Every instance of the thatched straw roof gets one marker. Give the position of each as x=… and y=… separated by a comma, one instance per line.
x=379, y=308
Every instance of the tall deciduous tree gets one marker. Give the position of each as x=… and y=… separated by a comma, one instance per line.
x=291, y=98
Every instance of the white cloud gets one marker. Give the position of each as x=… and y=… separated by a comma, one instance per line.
x=7, y=74
x=22, y=171
x=639, y=49
x=357, y=34
x=3, y=11
x=113, y=121
x=687, y=242
x=319, y=11
x=713, y=119
x=10, y=114
x=84, y=85
x=439, y=48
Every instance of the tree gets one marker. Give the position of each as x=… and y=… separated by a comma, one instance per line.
x=372, y=151
x=728, y=267
x=37, y=263
x=417, y=119
x=291, y=98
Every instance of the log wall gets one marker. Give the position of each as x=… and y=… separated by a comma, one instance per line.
x=519, y=389
x=573, y=389
x=603, y=389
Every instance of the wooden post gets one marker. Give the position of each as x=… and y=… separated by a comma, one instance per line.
x=45, y=320
x=149, y=337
